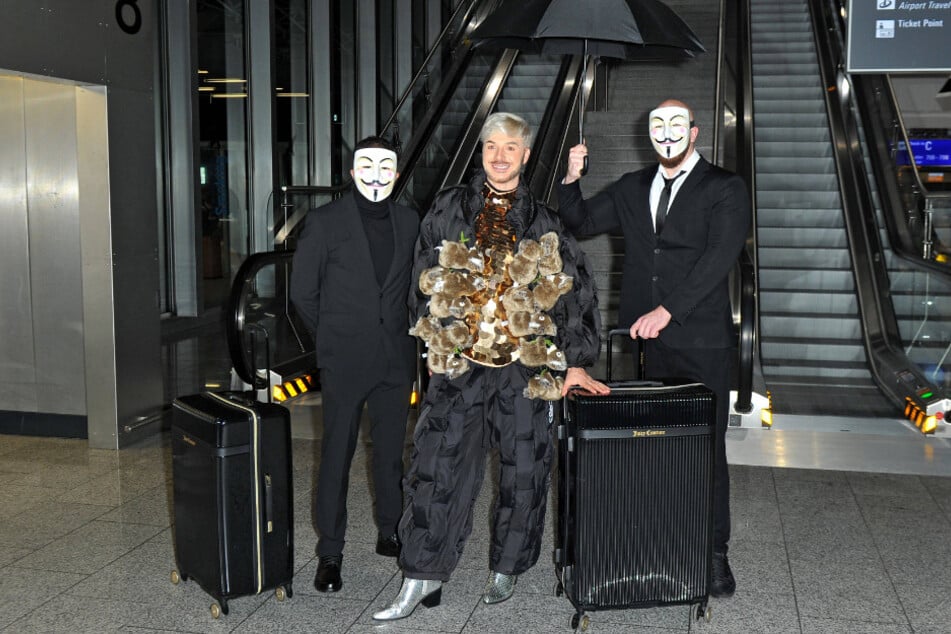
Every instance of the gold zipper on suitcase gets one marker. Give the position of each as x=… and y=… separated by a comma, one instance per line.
x=256, y=445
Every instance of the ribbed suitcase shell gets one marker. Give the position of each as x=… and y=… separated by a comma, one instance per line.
x=231, y=472
x=635, y=514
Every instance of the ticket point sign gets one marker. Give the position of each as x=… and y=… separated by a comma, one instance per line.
x=894, y=36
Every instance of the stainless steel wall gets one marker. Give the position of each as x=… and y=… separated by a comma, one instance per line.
x=17, y=370
x=78, y=216
x=55, y=264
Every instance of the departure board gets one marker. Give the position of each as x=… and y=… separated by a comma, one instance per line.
x=927, y=152
x=894, y=36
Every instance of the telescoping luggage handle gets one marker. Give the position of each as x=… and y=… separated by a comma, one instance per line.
x=257, y=329
x=639, y=380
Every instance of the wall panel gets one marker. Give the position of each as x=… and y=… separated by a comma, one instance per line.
x=55, y=260
x=17, y=370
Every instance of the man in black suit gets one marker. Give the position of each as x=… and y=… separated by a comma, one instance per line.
x=684, y=225
x=350, y=281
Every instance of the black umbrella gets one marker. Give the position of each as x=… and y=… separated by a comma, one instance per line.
x=622, y=29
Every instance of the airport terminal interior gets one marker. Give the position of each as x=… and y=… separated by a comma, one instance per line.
x=134, y=291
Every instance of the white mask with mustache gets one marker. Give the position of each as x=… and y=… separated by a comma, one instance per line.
x=374, y=172
x=670, y=130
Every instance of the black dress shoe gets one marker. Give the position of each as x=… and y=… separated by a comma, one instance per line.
x=722, y=583
x=388, y=546
x=328, y=573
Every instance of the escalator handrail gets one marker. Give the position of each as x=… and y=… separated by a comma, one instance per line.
x=749, y=306
x=870, y=280
x=878, y=107
x=461, y=57
x=745, y=167
x=443, y=36
x=290, y=223
x=552, y=135
x=236, y=312
x=491, y=92
x=747, y=334
x=549, y=137
x=426, y=127
x=888, y=363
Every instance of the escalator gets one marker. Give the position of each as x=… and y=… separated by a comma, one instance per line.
x=440, y=142
x=810, y=326
x=838, y=307
x=436, y=127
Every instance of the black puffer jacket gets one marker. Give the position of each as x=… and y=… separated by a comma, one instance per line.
x=453, y=215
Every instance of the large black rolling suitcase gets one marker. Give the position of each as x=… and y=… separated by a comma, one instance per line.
x=231, y=472
x=634, y=526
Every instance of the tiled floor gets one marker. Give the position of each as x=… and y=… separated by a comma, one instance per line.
x=839, y=525
x=85, y=546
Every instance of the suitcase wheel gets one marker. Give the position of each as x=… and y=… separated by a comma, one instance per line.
x=280, y=593
x=217, y=610
x=704, y=612
x=177, y=577
x=580, y=621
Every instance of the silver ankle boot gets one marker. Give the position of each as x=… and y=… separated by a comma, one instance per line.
x=499, y=587
x=412, y=593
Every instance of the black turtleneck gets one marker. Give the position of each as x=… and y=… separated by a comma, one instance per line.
x=379, y=230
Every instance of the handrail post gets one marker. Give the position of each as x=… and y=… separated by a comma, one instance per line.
x=285, y=206
x=927, y=244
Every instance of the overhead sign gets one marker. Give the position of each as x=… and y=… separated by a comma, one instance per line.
x=928, y=152
x=894, y=36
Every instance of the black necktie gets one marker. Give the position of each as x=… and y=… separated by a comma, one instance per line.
x=664, y=202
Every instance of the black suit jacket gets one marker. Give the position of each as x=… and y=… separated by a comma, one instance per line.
x=686, y=268
x=358, y=325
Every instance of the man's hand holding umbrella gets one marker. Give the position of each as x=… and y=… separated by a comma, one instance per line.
x=577, y=163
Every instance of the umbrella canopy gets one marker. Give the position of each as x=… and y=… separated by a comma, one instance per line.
x=623, y=29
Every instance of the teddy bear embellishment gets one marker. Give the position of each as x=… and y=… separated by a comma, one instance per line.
x=490, y=308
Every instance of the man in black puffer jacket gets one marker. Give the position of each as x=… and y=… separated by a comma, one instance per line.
x=483, y=392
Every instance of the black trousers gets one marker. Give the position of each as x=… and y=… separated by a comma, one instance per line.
x=714, y=368
x=387, y=402
x=459, y=422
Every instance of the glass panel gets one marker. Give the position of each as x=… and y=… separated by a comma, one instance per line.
x=292, y=103
x=223, y=163
x=922, y=302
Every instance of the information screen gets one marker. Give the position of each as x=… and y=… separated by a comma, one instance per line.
x=891, y=36
x=928, y=152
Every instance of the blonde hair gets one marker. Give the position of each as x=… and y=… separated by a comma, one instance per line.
x=508, y=124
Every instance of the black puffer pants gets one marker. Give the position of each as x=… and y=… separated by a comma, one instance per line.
x=459, y=421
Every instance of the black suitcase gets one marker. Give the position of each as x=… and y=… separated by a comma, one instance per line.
x=634, y=524
x=231, y=472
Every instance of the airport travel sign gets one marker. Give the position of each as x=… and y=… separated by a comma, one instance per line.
x=894, y=36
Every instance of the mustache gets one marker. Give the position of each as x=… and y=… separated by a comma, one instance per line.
x=669, y=148
x=375, y=185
